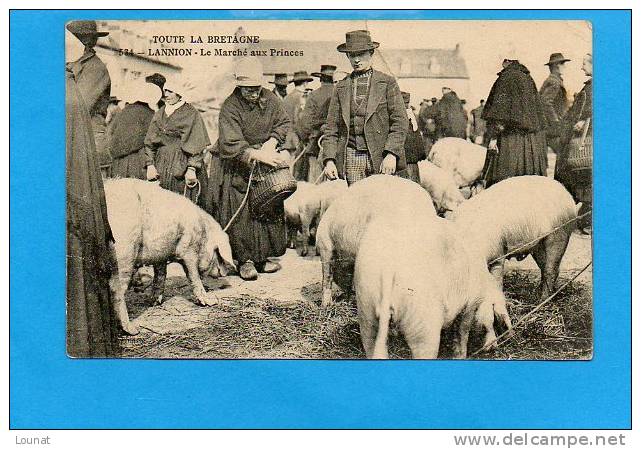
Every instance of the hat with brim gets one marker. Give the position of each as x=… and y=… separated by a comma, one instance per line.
x=326, y=70
x=357, y=41
x=557, y=58
x=280, y=79
x=301, y=76
x=85, y=28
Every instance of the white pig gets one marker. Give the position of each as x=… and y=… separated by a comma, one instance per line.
x=426, y=279
x=342, y=226
x=440, y=185
x=515, y=212
x=294, y=207
x=307, y=205
x=152, y=226
x=460, y=157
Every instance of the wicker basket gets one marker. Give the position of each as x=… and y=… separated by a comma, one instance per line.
x=270, y=187
x=580, y=150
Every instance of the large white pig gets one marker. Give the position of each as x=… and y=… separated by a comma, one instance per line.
x=519, y=211
x=152, y=226
x=460, y=157
x=342, y=226
x=307, y=205
x=423, y=279
x=440, y=185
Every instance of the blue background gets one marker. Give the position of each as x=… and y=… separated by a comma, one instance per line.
x=49, y=390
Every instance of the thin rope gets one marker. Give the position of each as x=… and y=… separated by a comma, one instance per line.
x=242, y=203
x=197, y=193
x=525, y=245
x=530, y=313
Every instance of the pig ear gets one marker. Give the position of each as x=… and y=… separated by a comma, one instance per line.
x=224, y=251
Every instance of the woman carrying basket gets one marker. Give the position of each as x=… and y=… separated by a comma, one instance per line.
x=252, y=124
x=577, y=132
x=174, y=145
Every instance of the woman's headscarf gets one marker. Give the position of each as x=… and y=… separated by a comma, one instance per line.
x=139, y=90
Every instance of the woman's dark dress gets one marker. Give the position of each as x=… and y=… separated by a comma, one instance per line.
x=578, y=182
x=243, y=126
x=126, y=140
x=514, y=103
x=174, y=143
x=91, y=324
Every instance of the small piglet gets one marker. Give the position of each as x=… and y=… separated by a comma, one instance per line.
x=423, y=279
x=342, y=226
x=307, y=205
x=441, y=186
x=463, y=159
x=535, y=211
x=152, y=226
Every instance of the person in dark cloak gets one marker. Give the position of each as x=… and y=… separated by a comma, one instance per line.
x=516, y=125
x=175, y=145
x=451, y=120
x=414, y=145
x=126, y=133
x=91, y=323
x=252, y=125
x=94, y=83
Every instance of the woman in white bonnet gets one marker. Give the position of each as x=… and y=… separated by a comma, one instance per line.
x=175, y=142
x=126, y=132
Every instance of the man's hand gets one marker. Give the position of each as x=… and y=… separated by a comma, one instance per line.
x=493, y=146
x=578, y=126
x=152, y=173
x=190, y=177
x=388, y=166
x=330, y=170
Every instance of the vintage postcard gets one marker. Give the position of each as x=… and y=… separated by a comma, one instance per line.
x=283, y=189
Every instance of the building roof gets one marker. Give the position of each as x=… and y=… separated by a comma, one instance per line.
x=402, y=63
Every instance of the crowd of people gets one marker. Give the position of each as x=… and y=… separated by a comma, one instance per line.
x=349, y=129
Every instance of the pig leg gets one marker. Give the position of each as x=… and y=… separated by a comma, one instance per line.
x=158, y=286
x=291, y=235
x=368, y=325
x=305, y=224
x=424, y=338
x=327, y=283
x=119, y=283
x=485, y=321
x=497, y=269
x=190, y=263
x=460, y=347
x=548, y=254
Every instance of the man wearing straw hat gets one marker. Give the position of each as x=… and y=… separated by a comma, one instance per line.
x=94, y=83
x=313, y=118
x=554, y=96
x=280, y=85
x=366, y=121
x=253, y=125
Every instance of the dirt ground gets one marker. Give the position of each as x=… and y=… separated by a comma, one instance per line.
x=278, y=316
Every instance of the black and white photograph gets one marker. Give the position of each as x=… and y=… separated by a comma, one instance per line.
x=316, y=189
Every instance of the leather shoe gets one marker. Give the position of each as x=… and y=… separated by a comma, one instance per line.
x=268, y=267
x=248, y=271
